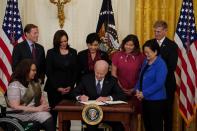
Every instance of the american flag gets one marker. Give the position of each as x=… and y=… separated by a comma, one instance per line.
x=106, y=27
x=11, y=33
x=186, y=72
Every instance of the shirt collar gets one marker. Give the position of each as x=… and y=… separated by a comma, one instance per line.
x=30, y=43
x=101, y=81
x=161, y=41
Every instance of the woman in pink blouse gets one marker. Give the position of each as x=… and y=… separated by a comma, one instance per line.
x=126, y=63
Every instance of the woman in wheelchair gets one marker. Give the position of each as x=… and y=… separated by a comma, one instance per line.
x=24, y=93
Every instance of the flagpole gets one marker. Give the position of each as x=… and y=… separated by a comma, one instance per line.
x=188, y=30
x=107, y=12
x=108, y=41
x=12, y=39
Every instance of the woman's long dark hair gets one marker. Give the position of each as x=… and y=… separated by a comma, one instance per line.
x=135, y=41
x=21, y=72
x=57, y=39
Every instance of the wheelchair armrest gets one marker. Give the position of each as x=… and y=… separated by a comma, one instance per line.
x=2, y=111
x=14, y=111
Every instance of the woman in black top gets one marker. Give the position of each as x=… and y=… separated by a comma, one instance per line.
x=60, y=70
x=87, y=58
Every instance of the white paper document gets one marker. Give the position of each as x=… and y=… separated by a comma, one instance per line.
x=103, y=103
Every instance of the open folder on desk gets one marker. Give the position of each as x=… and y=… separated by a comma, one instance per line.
x=103, y=103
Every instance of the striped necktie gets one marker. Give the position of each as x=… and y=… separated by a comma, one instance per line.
x=98, y=87
x=33, y=52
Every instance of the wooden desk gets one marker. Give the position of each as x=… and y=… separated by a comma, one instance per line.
x=71, y=110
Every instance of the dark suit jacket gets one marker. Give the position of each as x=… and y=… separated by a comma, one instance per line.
x=82, y=60
x=60, y=69
x=169, y=53
x=87, y=86
x=61, y=72
x=22, y=51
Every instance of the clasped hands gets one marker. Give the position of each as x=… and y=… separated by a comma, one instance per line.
x=128, y=92
x=85, y=98
x=43, y=107
x=64, y=91
x=139, y=95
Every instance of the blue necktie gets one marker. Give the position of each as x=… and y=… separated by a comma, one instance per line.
x=98, y=88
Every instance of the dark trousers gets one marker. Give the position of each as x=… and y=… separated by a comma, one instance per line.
x=54, y=98
x=152, y=113
x=66, y=124
x=116, y=126
x=48, y=125
x=168, y=113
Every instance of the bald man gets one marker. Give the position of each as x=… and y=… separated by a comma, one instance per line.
x=109, y=90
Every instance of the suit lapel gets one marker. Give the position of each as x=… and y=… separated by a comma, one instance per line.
x=27, y=49
x=164, y=43
x=105, y=86
x=164, y=48
x=93, y=85
x=37, y=50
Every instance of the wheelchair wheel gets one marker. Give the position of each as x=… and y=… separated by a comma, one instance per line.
x=10, y=124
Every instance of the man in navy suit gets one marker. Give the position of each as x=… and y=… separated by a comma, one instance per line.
x=109, y=90
x=30, y=49
x=168, y=50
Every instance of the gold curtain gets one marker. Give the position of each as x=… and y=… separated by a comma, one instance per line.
x=146, y=13
x=149, y=11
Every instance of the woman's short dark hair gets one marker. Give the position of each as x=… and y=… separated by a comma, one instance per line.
x=22, y=70
x=153, y=45
x=135, y=41
x=92, y=37
x=57, y=38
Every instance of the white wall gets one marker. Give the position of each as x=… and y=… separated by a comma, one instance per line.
x=81, y=18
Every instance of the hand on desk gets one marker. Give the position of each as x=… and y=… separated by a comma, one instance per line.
x=83, y=98
x=103, y=99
